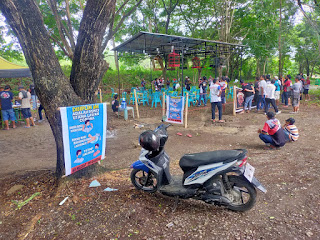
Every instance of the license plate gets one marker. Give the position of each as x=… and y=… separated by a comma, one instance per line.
x=249, y=172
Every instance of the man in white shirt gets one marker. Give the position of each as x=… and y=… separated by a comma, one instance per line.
x=261, y=98
x=25, y=98
x=270, y=97
x=215, y=97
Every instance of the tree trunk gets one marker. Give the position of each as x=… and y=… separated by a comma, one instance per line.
x=258, y=68
x=264, y=66
x=52, y=86
x=307, y=66
x=279, y=41
x=167, y=22
x=312, y=71
x=89, y=65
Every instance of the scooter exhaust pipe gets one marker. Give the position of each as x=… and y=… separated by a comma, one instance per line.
x=214, y=199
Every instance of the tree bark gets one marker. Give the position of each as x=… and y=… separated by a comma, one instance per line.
x=89, y=65
x=52, y=86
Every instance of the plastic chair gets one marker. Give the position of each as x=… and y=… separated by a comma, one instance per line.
x=145, y=98
x=156, y=99
x=191, y=99
x=230, y=93
x=132, y=99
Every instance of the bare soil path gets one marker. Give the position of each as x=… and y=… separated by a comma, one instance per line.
x=289, y=210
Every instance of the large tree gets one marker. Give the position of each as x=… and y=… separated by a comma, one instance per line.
x=54, y=89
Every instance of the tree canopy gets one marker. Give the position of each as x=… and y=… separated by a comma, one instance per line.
x=273, y=30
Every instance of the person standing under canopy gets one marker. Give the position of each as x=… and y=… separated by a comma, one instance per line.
x=215, y=95
x=7, y=112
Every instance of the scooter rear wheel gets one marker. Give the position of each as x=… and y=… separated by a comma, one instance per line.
x=144, y=181
x=242, y=194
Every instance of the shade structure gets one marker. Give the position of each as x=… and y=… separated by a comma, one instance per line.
x=11, y=70
x=158, y=44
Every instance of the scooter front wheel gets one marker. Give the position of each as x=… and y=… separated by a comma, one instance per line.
x=144, y=181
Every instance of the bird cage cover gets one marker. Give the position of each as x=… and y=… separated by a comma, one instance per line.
x=173, y=60
x=157, y=63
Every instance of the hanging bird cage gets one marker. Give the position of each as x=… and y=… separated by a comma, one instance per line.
x=157, y=63
x=173, y=60
x=196, y=62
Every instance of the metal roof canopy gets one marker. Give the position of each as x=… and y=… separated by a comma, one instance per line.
x=160, y=44
x=152, y=44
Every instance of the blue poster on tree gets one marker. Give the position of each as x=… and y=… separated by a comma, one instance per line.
x=175, y=107
x=84, y=135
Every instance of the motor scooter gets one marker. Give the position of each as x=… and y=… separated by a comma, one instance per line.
x=222, y=177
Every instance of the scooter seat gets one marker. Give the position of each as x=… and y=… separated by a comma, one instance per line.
x=194, y=160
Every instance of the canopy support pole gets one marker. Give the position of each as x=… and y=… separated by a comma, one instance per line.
x=117, y=66
x=151, y=72
x=240, y=63
x=216, y=62
x=182, y=72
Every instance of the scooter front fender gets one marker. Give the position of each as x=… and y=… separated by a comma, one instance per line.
x=258, y=185
x=140, y=165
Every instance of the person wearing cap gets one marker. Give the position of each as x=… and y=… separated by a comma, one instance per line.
x=290, y=130
x=25, y=98
x=7, y=112
x=272, y=134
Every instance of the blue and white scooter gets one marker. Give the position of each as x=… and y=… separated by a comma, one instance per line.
x=220, y=177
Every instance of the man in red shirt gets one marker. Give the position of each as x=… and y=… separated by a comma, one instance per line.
x=306, y=87
x=272, y=134
x=286, y=90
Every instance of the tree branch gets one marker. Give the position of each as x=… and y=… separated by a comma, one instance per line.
x=54, y=10
x=70, y=36
x=121, y=7
x=56, y=41
x=112, y=32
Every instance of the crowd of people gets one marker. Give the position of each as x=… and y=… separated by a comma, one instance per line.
x=266, y=92
x=25, y=101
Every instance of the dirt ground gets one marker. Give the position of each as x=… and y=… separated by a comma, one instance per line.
x=289, y=210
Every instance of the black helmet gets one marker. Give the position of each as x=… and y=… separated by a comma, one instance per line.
x=149, y=140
